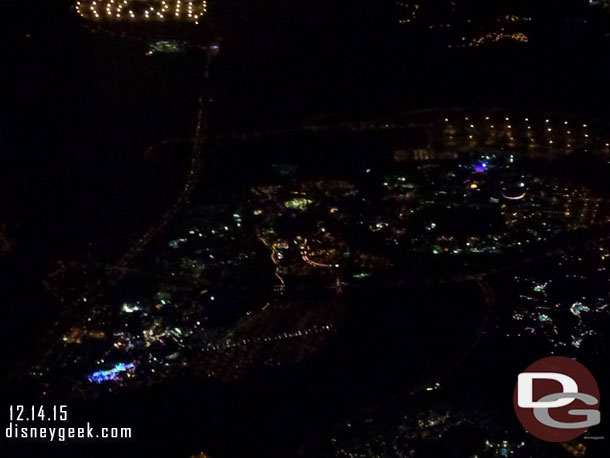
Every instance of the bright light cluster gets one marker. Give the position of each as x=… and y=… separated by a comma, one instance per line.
x=408, y=12
x=142, y=10
x=494, y=37
x=112, y=374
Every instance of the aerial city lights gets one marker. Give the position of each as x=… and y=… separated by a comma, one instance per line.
x=150, y=11
x=473, y=193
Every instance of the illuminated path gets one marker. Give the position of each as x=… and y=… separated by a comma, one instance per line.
x=111, y=274
x=201, y=128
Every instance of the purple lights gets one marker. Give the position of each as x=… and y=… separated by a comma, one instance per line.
x=481, y=167
x=112, y=374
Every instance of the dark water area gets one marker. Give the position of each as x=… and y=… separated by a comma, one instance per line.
x=286, y=63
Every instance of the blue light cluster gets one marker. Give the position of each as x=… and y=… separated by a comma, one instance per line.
x=481, y=167
x=112, y=374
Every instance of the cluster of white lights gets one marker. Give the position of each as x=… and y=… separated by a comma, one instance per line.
x=138, y=10
x=549, y=131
